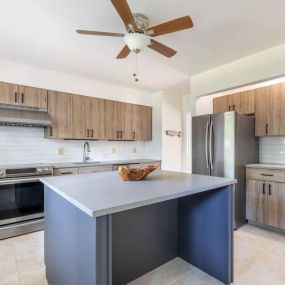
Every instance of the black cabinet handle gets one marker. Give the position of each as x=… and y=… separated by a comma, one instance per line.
x=134, y=135
x=50, y=131
x=92, y=133
x=264, y=174
x=121, y=134
x=65, y=173
x=269, y=190
x=263, y=188
x=23, y=98
x=118, y=134
x=87, y=133
x=234, y=107
x=16, y=97
x=266, y=129
x=230, y=108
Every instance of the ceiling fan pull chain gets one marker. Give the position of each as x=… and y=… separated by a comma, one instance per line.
x=135, y=74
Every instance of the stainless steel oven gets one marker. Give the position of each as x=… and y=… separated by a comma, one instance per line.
x=21, y=200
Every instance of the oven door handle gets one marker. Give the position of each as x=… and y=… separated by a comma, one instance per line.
x=20, y=180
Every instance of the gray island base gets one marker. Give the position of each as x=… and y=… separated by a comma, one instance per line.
x=100, y=230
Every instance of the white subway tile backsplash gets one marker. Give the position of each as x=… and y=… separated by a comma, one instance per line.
x=28, y=145
x=272, y=150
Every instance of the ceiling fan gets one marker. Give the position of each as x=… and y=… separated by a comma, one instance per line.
x=139, y=34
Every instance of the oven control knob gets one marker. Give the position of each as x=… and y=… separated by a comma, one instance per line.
x=2, y=173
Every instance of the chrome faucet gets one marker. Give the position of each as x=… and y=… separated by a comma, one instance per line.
x=86, y=152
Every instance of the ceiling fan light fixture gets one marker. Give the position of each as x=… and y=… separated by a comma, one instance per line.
x=136, y=42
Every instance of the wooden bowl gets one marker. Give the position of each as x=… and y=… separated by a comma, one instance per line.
x=135, y=174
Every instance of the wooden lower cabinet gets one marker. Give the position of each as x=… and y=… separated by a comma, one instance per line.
x=276, y=205
x=95, y=169
x=265, y=203
x=65, y=171
x=256, y=204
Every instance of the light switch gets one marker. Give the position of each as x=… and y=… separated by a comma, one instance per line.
x=114, y=150
x=61, y=151
x=134, y=150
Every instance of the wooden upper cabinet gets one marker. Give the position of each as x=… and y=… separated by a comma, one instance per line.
x=33, y=97
x=60, y=110
x=242, y=102
x=246, y=106
x=220, y=104
x=8, y=93
x=79, y=117
x=110, y=126
x=146, y=120
x=269, y=110
x=97, y=118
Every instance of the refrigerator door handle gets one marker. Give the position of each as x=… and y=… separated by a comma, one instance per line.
x=206, y=144
x=211, y=144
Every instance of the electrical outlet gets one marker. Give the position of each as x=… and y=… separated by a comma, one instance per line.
x=114, y=150
x=61, y=151
x=134, y=150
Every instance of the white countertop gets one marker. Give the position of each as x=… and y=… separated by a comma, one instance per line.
x=99, y=194
x=266, y=166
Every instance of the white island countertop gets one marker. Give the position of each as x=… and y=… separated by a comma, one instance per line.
x=99, y=194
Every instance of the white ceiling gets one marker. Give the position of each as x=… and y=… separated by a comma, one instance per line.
x=42, y=33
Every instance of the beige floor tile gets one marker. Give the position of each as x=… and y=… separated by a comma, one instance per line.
x=156, y=277
x=10, y=279
x=176, y=268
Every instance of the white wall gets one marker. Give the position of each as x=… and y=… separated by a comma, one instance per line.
x=261, y=66
x=26, y=145
x=175, y=150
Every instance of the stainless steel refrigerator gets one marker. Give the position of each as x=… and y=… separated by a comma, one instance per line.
x=222, y=144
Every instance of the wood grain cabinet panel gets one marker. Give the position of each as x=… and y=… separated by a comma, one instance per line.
x=256, y=202
x=60, y=110
x=262, y=111
x=33, y=97
x=65, y=171
x=220, y=104
x=9, y=93
x=95, y=169
x=110, y=125
x=80, y=117
x=276, y=205
x=246, y=106
x=146, y=119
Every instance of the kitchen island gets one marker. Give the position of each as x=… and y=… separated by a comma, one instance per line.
x=100, y=230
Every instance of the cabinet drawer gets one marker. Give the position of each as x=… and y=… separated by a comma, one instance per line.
x=65, y=171
x=266, y=174
x=94, y=169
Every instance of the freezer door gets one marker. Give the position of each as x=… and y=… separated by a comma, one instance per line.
x=222, y=143
x=200, y=145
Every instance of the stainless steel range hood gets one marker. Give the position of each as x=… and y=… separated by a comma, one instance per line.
x=25, y=118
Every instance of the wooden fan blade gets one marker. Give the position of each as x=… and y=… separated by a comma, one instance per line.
x=124, y=52
x=95, y=33
x=161, y=48
x=171, y=26
x=125, y=12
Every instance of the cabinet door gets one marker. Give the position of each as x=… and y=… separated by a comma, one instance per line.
x=146, y=121
x=256, y=202
x=220, y=104
x=137, y=122
x=33, y=97
x=9, y=93
x=276, y=205
x=60, y=110
x=98, y=118
x=234, y=102
x=110, y=125
x=247, y=103
x=95, y=169
x=262, y=111
x=79, y=117
x=127, y=121
x=277, y=106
